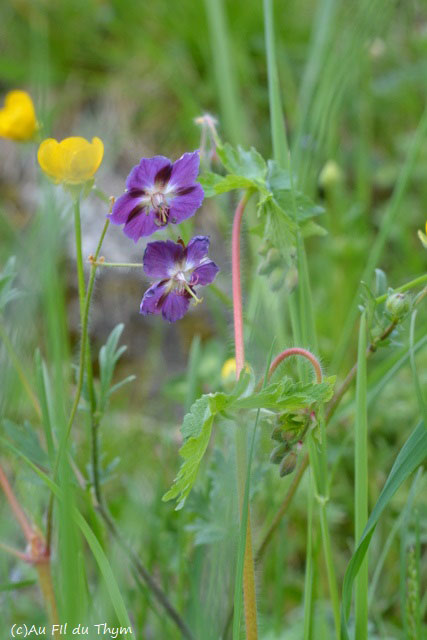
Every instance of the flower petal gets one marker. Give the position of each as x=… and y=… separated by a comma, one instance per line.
x=140, y=224
x=51, y=159
x=151, y=301
x=205, y=274
x=73, y=160
x=162, y=258
x=185, y=170
x=82, y=158
x=17, y=117
x=175, y=306
x=184, y=206
x=143, y=175
x=197, y=249
x=123, y=207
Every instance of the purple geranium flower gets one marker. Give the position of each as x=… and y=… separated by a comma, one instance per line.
x=179, y=269
x=158, y=192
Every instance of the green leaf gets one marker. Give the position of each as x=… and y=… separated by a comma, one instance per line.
x=25, y=438
x=195, y=418
x=109, y=354
x=196, y=430
x=303, y=208
x=311, y=228
x=278, y=179
x=288, y=396
x=192, y=451
x=7, y=292
x=280, y=227
x=13, y=586
x=213, y=184
x=248, y=164
x=412, y=454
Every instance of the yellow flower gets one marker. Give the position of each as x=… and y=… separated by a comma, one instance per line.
x=17, y=117
x=423, y=237
x=228, y=371
x=72, y=161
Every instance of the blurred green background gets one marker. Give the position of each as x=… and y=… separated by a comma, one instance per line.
x=137, y=74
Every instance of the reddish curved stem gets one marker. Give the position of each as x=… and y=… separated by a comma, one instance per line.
x=297, y=351
x=249, y=592
x=237, y=286
x=16, y=507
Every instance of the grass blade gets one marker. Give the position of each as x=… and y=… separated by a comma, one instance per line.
x=410, y=457
x=361, y=481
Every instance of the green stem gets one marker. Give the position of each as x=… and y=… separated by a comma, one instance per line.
x=79, y=256
x=85, y=323
x=228, y=93
x=412, y=284
x=127, y=265
x=277, y=120
x=82, y=294
x=361, y=482
x=330, y=568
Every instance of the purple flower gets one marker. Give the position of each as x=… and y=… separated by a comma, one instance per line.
x=179, y=268
x=158, y=192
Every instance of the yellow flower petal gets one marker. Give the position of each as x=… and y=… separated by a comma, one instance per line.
x=72, y=161
x=50, y=159
x=17, y=117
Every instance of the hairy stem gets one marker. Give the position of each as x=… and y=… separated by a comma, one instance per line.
x=249, y=593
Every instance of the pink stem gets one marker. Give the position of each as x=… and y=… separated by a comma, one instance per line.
x=237, y=286
x=297, y=351
x=16, y=507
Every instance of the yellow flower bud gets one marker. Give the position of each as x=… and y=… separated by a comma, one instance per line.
x=72, y=161
x=331, y=175
x=17, y=117
x=228, y=369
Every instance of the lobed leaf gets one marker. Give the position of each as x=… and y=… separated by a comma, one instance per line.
x=109, y=354
x=214, y=184
x=248, y=164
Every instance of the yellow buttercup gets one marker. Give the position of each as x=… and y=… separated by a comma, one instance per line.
x=18, y=117
x=72, y=161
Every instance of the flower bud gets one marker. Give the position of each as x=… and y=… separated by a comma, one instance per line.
x=278, y=453
x=272, y=260
x=397, y=304
x=277, y=434
x=288, y=464
x=276, y=279
x=331, y=175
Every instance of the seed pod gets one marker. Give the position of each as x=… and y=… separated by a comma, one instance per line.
x=278, y=453
x=397, y=304
x=277, y=434
x=288, y=464
x=276, y=279
x=291, y=279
